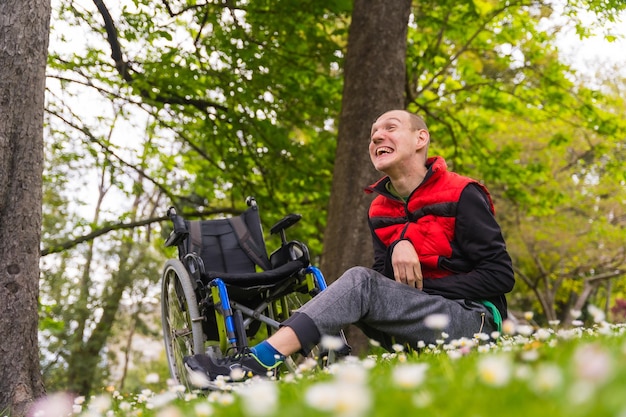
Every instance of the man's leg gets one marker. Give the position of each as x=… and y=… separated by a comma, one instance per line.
x=380, y=305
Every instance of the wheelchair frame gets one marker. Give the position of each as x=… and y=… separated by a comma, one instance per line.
x=189, y=293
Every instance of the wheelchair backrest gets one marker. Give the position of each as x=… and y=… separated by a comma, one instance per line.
x=234, y=245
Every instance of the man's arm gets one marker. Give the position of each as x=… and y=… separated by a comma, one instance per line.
x=380, y=252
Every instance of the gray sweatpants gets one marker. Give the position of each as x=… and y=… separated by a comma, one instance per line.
x=386, y=311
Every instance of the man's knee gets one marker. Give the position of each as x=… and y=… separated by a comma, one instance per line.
x=357, y=274
x=358, y=279
x=358, y=270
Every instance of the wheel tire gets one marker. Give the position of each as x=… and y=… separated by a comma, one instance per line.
x=182, y=326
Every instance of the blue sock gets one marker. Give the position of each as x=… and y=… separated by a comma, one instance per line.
x=267, y=354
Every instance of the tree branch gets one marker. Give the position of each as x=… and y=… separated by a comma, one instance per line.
x=130, y=225
x=116, y=49
x=99, y=232
x=124, y=69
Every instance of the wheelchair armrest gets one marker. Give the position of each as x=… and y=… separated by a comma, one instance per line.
x=286, y=222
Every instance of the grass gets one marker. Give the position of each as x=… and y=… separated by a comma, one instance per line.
x=528, y=372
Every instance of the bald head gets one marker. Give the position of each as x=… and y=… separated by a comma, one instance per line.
x=416, y=122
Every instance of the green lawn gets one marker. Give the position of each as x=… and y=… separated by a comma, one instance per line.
x=532, y=372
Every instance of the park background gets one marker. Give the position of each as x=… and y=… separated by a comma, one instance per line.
x=200, y=104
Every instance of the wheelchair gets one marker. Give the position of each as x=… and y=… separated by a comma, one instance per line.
x=223, y=290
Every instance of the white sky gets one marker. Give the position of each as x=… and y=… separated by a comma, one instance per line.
x=594, y=53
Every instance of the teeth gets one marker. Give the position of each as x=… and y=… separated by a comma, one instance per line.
x=381, y=151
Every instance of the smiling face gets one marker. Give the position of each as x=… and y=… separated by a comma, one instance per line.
x=398, y=143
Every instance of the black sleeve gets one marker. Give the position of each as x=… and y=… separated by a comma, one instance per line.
x=480, y=261
x=380, y=252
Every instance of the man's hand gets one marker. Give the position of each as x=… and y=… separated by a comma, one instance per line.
x=406, y=264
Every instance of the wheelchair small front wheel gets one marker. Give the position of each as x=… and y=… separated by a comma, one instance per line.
x=182, y=325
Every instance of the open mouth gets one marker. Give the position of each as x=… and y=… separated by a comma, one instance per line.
x=383, y=150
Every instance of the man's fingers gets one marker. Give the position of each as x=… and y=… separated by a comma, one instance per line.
x=419, y=281
x=408, y=273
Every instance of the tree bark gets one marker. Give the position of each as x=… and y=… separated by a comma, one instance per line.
x=24, y=29
x=375, y=79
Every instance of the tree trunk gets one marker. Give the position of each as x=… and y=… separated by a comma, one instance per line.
x=375, y=76
x=24, y=28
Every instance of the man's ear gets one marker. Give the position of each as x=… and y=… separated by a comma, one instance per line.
x=423, y=138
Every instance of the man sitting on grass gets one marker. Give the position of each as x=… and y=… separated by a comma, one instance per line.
x=437, y=250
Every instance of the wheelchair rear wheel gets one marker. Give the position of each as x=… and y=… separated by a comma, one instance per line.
x=182, y=324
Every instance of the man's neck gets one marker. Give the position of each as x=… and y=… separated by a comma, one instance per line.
x=405, y=186
x=405, y=183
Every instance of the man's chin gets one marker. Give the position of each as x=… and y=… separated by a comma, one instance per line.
x=381, y=166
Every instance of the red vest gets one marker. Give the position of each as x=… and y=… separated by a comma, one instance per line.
x=427, y=219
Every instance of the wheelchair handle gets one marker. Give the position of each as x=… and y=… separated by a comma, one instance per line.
x=179, y=223
x=180, y=231
x=251, y=201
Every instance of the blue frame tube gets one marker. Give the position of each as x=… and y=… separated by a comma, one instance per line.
x=228, y=312
x=318, y=276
